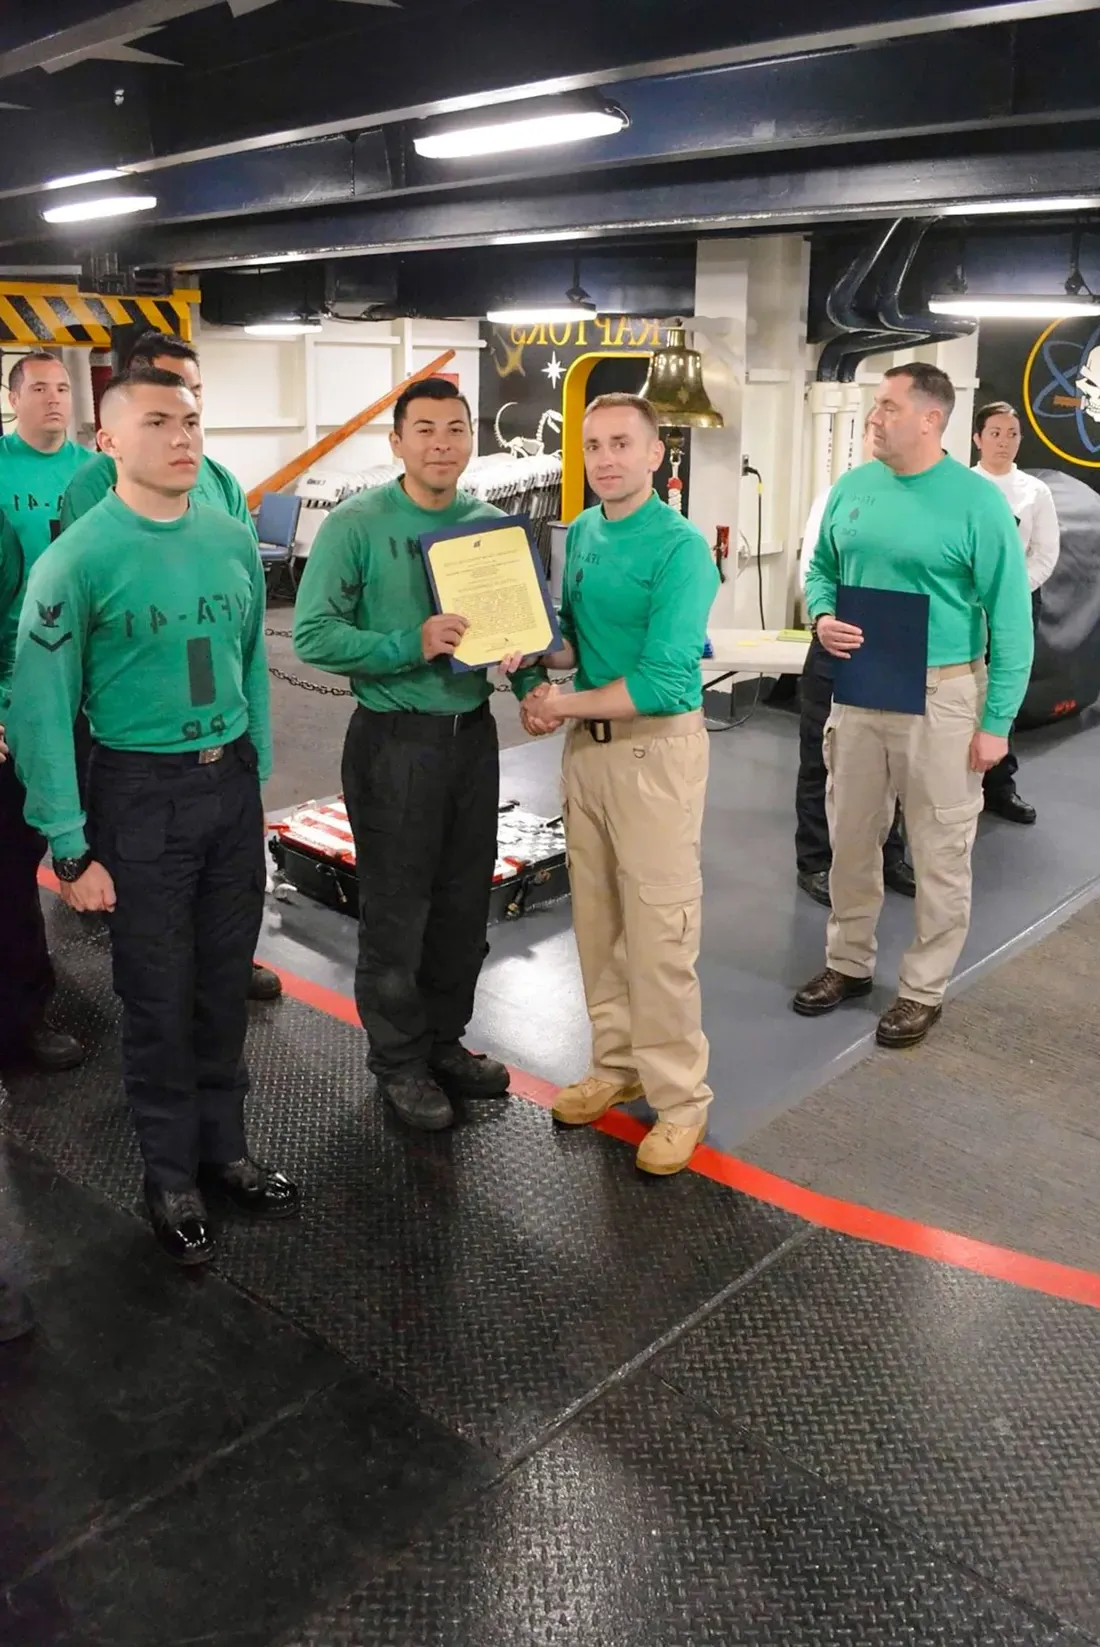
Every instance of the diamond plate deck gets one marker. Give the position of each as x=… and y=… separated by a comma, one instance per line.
x=965, y=1410
x=648, y=1524
x=497, y=1274
x=178, y=1464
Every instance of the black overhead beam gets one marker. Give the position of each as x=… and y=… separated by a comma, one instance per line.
x=888, y=94
x=386, y=66
x=775, y=198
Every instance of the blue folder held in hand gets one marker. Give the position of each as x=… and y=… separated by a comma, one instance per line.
x=890, y=670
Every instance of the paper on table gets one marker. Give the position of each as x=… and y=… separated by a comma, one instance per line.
x=489, y=578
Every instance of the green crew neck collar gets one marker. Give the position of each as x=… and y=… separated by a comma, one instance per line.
x=23, y=448
x=636, y=517
x=122, y=512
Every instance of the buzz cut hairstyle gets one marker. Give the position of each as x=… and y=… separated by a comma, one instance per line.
x=995, y=408
x=19, y=370
x=428, y=388
x=930, y=381
x=152, y=346
x=638, y=403
x=139, y=377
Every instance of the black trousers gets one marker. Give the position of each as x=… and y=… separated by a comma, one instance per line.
x=1003, y=775
x=421, y=793
x=184, y=844
x=813, y=851
x=26, y=975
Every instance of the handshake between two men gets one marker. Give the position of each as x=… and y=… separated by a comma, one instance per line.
x=541, y=711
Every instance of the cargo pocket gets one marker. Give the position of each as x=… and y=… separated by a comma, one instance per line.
x=957, y=825
x=675, y=908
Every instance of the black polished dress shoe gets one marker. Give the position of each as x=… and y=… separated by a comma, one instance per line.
x=180, y=1224
x=827, y=990
x=418, y=1101
x=906, y=1023
x=16, y=1315
x=899, y=877
x=264, y=985
x=252, y=1191
x=464, y=1074
x=1007, y=804
x=817, y=885
x=51, y=1050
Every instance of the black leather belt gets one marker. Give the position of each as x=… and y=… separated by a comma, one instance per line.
x=164, y=758
x=425, y=728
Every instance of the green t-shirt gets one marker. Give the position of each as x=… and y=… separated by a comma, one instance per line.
x=11, y=587
x=636, y=596
x=365, y=594
x=214, y=485
x=32, y=486
x=948, y=534
x=156, y=627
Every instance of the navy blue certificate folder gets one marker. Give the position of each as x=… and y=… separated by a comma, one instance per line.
x=890, y=670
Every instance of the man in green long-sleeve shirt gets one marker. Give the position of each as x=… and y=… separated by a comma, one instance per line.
x=917, y=522
x=36, y=461
x=149, y=611
x=214, y=485
x=638, y=588
x=420, y=769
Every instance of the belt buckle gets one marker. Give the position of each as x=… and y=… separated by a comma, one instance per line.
x=207, y=757
x=599, y=731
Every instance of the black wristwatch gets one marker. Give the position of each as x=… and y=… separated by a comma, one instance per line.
x=71, y=869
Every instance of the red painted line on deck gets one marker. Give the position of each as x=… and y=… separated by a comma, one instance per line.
x=885, y=1229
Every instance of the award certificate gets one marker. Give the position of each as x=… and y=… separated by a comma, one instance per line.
x=489, y=573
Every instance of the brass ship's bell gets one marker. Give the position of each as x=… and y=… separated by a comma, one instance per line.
x=674, y=386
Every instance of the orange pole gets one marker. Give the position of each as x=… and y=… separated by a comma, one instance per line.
x=293, y=471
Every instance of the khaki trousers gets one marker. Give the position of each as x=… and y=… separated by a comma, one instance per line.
x=633, y=810
x=873, y=757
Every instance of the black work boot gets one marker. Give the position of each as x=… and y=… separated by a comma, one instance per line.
x=418, y=1101
x=464, y=1074
x=51, y=1050
x=249, y=1189
x=899, y=877
x=816, y=885
x=1005, y=802
x=180, y=1223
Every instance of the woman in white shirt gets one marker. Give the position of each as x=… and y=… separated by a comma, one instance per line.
x=997, y=439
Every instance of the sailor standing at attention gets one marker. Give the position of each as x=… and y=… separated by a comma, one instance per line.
x=149, y=611
x=36, y=462
x=215, y=485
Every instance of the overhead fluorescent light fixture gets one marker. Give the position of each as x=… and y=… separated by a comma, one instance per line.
x=549, y=314
x=282, y=328
x=540, y=123
x=978, y=306
x=90, y=211
x=74, y=182
x=993, y=208
x=539, y=237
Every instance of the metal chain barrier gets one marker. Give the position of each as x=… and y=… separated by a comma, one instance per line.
x=338, y=691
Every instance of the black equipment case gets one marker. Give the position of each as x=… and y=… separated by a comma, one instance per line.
x=314, y=852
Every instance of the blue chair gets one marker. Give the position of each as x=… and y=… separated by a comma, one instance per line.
x=276, y=528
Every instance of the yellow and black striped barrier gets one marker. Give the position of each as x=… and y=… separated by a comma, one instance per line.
x=33, y=314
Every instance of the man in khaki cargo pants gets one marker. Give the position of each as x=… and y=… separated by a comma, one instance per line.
x=638, y=588
x=917, y=522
